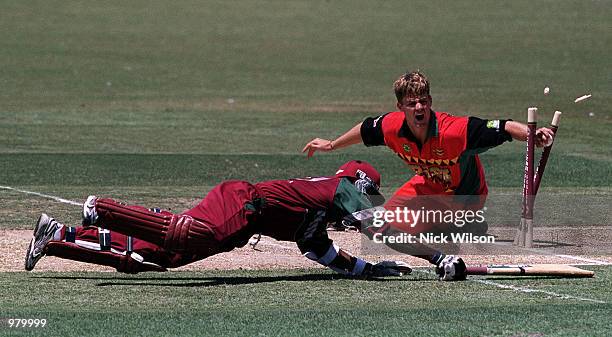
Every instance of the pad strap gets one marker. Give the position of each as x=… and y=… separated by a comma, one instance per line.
x=104, y=237
x=129, y=244
x=70, y=234
x=359, y=267
x=91, y=252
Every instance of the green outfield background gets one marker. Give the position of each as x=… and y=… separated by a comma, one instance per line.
x=156, y=102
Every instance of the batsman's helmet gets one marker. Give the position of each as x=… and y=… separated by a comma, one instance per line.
x=359, y=169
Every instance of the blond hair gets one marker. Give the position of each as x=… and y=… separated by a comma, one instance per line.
x=411, y=84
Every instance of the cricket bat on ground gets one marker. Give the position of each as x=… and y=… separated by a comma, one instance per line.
x=560, y=270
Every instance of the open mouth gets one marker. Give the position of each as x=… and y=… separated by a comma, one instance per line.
x=419, y=117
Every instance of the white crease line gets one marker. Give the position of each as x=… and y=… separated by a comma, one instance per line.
x=66, y=201
x=571, y=257
x=525, y=289
x=593, y=261
x=529, y=290
x=586, y=264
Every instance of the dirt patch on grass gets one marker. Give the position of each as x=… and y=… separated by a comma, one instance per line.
x=269, y=254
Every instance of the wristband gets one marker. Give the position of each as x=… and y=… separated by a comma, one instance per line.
x=361, y=267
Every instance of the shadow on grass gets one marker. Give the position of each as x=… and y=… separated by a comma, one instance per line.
x=212, y=281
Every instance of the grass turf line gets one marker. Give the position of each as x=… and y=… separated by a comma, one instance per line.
x=300, y=302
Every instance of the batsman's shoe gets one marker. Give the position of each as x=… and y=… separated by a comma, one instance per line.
x=90, y=216
x=45, y=229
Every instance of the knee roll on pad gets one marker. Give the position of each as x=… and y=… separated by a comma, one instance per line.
x=186, y=234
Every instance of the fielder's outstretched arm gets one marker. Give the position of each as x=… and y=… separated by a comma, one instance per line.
x=519, y=131
x=351, y=137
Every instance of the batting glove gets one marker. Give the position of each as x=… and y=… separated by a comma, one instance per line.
x=388, y=268
x=451, y=268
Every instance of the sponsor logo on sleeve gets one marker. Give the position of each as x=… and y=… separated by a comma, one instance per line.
x=376, y=120
x=493, y=124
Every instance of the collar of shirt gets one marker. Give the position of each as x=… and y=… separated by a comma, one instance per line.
x=432, y=129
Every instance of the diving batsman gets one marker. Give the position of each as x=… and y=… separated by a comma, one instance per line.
x=134, y=239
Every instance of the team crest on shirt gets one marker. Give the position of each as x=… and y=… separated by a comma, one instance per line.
x=407, y=148
x=438, y=152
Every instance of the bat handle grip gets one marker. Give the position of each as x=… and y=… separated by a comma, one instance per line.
x=477, y=270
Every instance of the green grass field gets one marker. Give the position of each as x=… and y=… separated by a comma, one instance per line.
x=155, y=102
x=303, y=303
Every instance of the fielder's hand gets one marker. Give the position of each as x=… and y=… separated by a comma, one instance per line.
x=451, y=268
x=318, y=144
x=389, y=268
x=544, y=137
